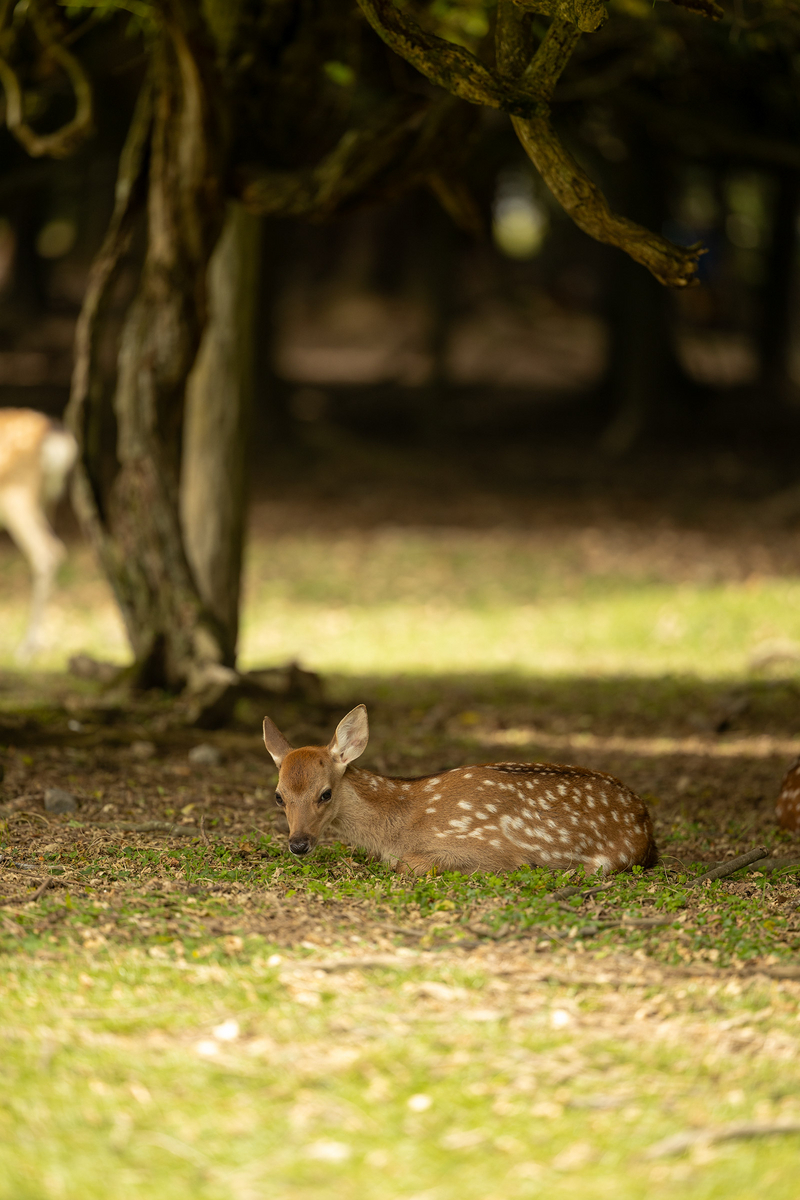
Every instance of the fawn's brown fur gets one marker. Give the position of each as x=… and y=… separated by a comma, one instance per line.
x=490, y=817
x=787, y=810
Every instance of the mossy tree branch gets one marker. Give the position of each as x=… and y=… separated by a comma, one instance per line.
x=587, y=15
x=523, y=87
x=673, y=266
x=449, y=66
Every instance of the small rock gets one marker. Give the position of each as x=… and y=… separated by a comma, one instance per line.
x=56, y=800
x=143, y=749
x=205, y=755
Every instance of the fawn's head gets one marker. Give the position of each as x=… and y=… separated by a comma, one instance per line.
x=309, y=778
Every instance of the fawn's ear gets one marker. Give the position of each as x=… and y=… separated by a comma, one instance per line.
x=275, y=742
x=351, y=737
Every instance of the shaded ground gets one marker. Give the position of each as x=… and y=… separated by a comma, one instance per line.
x=712, y=796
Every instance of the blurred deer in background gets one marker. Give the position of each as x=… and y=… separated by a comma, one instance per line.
x=492, y=817
x=36, y=456
x=787, y=809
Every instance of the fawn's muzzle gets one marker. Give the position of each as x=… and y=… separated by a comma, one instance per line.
x=301, y=846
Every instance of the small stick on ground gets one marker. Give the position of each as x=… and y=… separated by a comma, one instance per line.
x=678, y=1143
x=143, y=827
x=735, y=864
x=40, y=891
x=565, y=892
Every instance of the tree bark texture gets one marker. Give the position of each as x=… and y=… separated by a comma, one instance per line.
x=218, y=404
x=134, y=518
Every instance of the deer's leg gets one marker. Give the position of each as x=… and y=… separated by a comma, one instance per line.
x=417, y=864
x=27, y=524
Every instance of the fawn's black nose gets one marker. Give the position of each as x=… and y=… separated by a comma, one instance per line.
x=300, y=845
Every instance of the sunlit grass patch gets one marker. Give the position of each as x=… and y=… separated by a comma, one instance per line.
x=720, y=630
x=263, y=1076
x=417, y=602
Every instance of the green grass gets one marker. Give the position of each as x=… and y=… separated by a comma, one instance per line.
x=131, y=1074
x=727, y=922
x=171, y=1027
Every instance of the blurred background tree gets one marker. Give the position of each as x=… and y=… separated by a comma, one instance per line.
x=167, y=164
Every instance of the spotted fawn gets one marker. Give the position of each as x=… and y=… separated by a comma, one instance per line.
x=490, y=817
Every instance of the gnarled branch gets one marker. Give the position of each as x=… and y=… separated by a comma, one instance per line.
x=62, y=142
x=128, y=199
x=415, y=141
x=672, y=265
x=703, y=8
x=449, y=66
x=524, y=88
x=587, y=15
x=354, y=162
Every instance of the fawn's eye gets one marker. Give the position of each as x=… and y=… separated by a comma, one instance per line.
x=279, y=799
x=326, y=795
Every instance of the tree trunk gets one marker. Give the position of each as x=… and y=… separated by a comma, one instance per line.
x=218, y=407
x=134, y=516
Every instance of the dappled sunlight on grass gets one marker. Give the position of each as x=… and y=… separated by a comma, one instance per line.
x=435, y=602
x=250, y=1074
x=189, y=1012
x=718, y=631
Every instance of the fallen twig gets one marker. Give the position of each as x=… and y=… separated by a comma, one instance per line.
x=729, y=868
x=414, y=933
x=356, y=964
x=565, y=892
x=13, y=806
x=25, y=813
x=678, y=1143
x=42, y=888
x=142, y=827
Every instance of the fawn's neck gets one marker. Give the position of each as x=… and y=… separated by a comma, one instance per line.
x=372, y=809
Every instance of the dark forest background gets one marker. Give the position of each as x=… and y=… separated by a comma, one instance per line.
x=391, y=321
